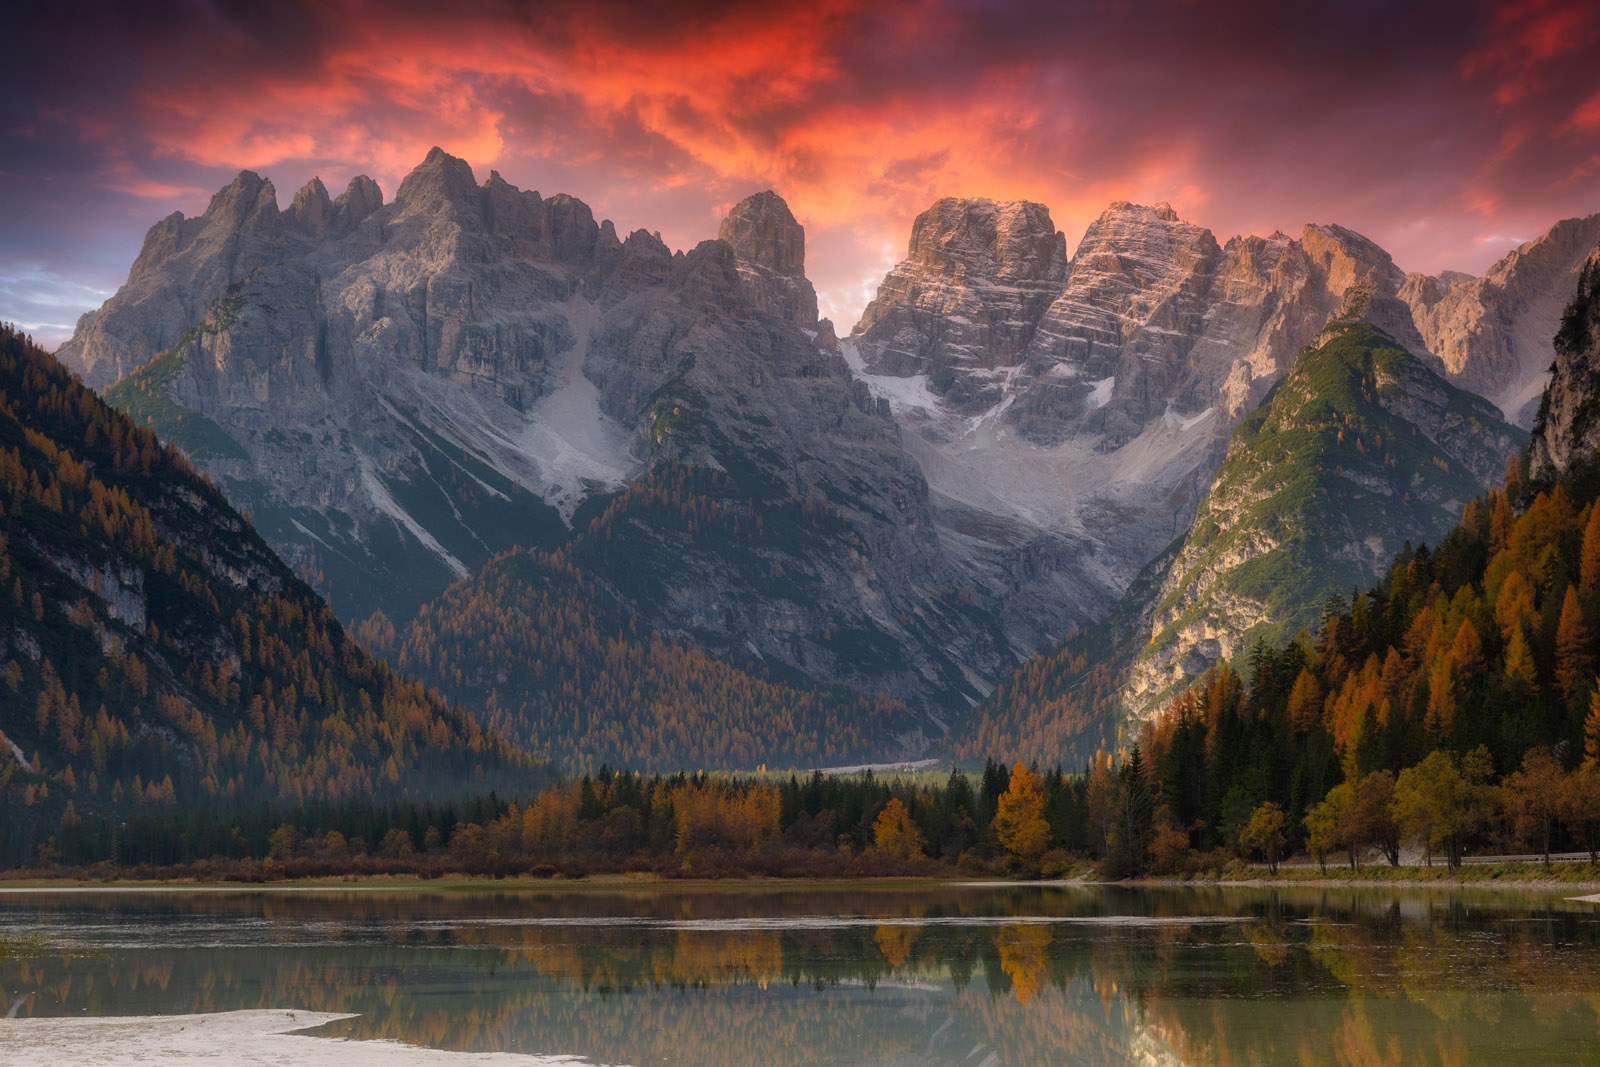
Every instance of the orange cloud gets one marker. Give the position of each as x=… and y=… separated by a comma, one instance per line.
x=1250, y=115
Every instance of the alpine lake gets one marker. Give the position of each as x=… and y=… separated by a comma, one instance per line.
x=924, y=975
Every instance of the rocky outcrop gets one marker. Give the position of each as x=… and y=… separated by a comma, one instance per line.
x=961, y=309
x=770, y=249
x=1493, y=333
x=1568, y=426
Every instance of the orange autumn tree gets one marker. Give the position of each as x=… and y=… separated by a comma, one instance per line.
x=1019, y=820
x=895, y=834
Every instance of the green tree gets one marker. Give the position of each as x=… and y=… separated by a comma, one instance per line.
x=1444, y=803
x=1322, y=831
x=1265, y=833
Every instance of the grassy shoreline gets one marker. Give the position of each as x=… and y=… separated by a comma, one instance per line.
x=1509, y=876
x=1514, y=875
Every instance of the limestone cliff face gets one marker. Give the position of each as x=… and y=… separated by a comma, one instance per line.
x=1568, y=424
x=769, y=247
x=962, y=307
x=396, y=391
x=1493, y=333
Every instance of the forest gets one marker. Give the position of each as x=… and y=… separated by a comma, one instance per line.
x=155, y=655
x=1455, y=702
x=234, y=729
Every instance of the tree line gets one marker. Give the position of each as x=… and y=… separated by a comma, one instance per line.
x=1453, y=706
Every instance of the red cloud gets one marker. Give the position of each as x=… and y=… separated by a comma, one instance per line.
x=1428, y=126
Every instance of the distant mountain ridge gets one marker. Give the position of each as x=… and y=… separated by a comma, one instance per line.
x=1093, y=395
x=399, y=396
x=402, y=392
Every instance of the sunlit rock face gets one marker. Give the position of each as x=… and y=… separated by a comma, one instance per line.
x=1494, y=332
x=961, y=309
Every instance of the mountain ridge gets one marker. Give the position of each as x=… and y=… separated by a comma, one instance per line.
x=402, y=392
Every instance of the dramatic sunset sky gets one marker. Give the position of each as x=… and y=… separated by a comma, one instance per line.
x=1448, y=132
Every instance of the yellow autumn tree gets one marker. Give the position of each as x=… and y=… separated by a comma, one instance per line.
x=1305, y=702
x=1019, y=820
x=1589, y=555
x=1519, y=660
x=1591, y=729
x=895, y=834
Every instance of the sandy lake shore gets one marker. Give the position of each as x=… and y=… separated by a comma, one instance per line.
x=245, y=1038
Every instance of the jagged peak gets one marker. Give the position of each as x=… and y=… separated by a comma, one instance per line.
x=439, y=177
x=246, y=190
x=313, y=189
x=765, y=235
x=311, y=209
x=363, y=186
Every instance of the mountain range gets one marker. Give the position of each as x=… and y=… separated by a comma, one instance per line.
x=476, y=400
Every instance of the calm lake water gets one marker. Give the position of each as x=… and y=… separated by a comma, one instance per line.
x=931, y=977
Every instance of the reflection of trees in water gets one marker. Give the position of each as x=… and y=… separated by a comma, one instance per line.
x=1022, y=958
x=1313, y=977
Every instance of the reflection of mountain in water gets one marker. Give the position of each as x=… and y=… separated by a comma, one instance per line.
x=928, y=978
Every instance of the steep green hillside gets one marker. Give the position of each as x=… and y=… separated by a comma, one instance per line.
x=153, y=650
x=1358, y=451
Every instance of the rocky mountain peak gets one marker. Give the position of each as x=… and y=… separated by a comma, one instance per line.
x=764, y=234
x=441, y=182
x=1146, y=240
x=1347, y=256
x=1010, y=240
x=1160, y=210
x=965, y=301
x=312, y=209
x=769, y=246
x=1493, y=333
x=249, y=203
x=361, y=198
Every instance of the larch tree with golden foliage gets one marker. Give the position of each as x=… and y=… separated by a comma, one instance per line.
x=1019, y=820
x=895, y=834
x=1572, y=646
